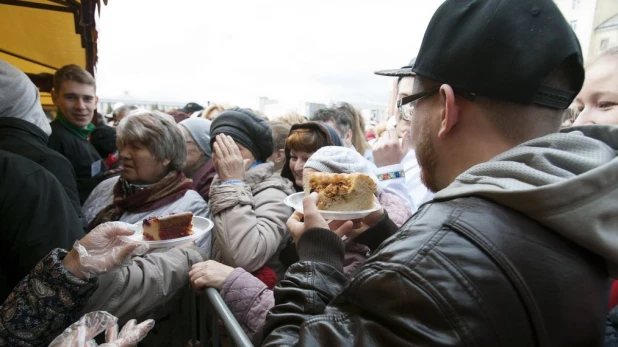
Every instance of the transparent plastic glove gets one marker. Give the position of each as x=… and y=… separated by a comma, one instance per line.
x=85, y=329
x=129, y=336
x=105, y=249
x=82, y=332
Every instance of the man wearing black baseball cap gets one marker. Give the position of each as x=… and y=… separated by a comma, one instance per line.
x=518, y=244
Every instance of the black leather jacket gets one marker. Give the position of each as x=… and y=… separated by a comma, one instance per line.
x=465, y=272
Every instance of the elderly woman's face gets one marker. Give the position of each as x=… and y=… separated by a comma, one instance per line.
x=245, y=153
x=140, y=164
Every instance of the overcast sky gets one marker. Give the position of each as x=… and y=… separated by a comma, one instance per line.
x=236, y=51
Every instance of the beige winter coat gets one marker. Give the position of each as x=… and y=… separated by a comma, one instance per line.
x=250, y=219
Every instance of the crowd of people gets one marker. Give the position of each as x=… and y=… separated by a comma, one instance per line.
x=496, y=179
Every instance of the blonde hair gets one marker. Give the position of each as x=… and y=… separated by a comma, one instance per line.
x=292, y=118
x=280, y=134
x=358, y=127
x=211, y=109
x=609, y=52
x=380, y=128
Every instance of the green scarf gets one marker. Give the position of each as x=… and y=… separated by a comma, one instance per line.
x=80, y=132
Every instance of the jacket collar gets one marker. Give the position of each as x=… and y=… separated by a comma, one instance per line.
x=24, y=126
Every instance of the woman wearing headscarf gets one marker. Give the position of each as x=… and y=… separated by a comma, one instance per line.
x=246, y=196
x=200, y=167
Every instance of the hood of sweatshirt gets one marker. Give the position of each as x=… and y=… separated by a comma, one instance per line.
x=566, y=181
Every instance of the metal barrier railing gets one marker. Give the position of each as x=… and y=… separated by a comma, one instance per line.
x=206, y=312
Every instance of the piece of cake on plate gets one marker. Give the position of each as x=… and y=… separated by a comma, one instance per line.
x=341, y=192
x=169, y=227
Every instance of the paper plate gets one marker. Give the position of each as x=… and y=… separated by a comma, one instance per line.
x=295, y=201
x=200, y=227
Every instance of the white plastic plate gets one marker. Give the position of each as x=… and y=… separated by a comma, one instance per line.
x=295, y=201
x=200, y=227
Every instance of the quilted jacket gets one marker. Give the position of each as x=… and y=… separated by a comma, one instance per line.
x=250, y=219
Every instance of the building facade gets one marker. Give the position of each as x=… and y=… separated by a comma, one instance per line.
x=595, y=23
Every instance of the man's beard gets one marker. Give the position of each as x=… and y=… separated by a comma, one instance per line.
x=426, y=155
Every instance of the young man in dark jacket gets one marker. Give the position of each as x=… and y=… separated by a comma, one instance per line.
x=517, y=246
x=74, y=95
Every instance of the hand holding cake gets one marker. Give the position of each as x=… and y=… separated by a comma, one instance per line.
x=298, y=222
x=335, y=192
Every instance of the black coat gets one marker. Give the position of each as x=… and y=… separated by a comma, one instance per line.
x=36, y=216
x=80, y=153
x=24, y=138
x=464, y=272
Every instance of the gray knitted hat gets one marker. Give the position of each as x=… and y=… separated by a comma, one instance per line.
x=199, y=128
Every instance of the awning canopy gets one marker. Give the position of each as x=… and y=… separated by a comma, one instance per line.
x=40, y=36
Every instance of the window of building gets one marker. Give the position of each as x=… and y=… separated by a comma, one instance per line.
x=575, y=4
x=573, y=24
x=604, y=44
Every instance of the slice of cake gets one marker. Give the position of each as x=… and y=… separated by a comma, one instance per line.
x=341, y=192
x=169, y=227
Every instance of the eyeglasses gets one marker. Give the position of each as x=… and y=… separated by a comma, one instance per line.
x=407, y=104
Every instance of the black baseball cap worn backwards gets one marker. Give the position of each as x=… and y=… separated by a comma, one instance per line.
x=404, y=71
x=502, y=49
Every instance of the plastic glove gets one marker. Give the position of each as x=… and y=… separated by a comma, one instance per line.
x=85, y=329
x=130, y=335
x=102, y=250
x=82, y=333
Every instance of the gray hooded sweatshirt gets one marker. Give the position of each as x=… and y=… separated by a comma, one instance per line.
x=19, y=97
x=566, y=181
